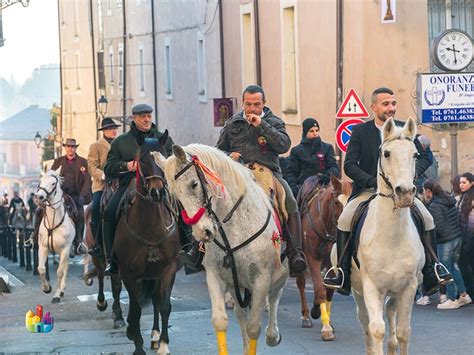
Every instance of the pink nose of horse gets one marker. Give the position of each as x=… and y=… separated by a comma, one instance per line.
x=405, y=195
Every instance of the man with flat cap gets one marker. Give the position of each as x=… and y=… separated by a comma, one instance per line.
x=120, y=165
x=96, y=161
x=76, y=184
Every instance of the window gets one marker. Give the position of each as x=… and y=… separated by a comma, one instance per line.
x=78, y=74
x=141, y=69
x=201, y=68
x=111, y=65
x=288, y=60
x=462, y=17
x=249, y=70
x=75, y=10
x=65, y=72
x=120, y=67
x=168, y=68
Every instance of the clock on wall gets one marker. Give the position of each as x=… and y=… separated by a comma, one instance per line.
x=453, y=50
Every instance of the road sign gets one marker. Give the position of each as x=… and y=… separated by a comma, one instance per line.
x=344, y=132
x=352, y=107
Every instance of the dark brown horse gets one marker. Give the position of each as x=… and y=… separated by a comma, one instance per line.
x=99, y=263
x=320, y=208
x=146, y=247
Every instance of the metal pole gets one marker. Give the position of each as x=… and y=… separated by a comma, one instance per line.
x=339, y=70
x=454, y=126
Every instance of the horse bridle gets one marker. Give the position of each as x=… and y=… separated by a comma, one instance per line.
x=46, y=201
x=386, y=180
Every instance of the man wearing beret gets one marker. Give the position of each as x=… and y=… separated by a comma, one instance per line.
x=96, y=161
x=311, y=157
x=120, y=164
x=77, y=184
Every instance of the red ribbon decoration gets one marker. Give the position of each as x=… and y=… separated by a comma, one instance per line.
x=194, y=219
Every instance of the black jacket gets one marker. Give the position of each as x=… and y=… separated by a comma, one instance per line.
x=311, y=157
x=363, y=154
x=260, y=144
x=446, y=219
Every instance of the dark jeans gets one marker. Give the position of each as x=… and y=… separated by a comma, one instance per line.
x=95, y=213
x=109, y=221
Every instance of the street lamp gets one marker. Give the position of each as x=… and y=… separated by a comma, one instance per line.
x=102, y=105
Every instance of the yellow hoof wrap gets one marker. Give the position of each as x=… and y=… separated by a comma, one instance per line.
x=221, y=343
x=324, y=314
x=252, y=347
x=329, y=308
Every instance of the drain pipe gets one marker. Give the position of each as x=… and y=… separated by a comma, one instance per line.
x=339, y=69
x=221, y=34
x=258, y=66
x=155, y=84
x=97, y=123
x=124, y=71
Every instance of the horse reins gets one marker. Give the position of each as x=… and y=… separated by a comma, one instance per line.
x=229, y=260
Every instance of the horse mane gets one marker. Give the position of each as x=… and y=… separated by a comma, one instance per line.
x=235, y=173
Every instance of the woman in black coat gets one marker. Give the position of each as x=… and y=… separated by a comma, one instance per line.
x=448, y=238
x=311, y=157
x=466, y=221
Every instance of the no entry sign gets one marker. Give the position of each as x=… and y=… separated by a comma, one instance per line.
x=344, y=132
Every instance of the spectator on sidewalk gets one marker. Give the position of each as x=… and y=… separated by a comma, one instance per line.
x=466, y=222
x=442, y=207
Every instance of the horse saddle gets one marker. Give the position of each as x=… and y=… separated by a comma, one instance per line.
x=308, y=193
x=71, y=208
x=272, y=187
x=361, y=214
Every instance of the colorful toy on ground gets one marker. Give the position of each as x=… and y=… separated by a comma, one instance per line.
x=39, y=322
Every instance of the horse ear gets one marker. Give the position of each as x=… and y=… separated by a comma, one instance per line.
x=58, y=170
x=409, y=129
x=388, y=130
x=159, y=159
x=164, y=138
x=336, y=184
x=179, y=152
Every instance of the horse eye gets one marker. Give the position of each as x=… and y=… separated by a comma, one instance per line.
x=194, y=184
x=386, y=153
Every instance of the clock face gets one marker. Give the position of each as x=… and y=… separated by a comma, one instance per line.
x=453, y=50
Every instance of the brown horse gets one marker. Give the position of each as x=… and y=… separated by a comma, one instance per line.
x=146, y=247
x=99, y=263
x=320, y=208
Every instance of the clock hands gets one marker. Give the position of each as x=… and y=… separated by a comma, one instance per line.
x=454, y=50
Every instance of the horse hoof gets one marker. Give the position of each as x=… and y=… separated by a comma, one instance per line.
x=55, y=300
x=48, y=290
x=119, y=323
x=139, y=352
x=328, y=336
x=102, y=306
x=315, y=311
x=274, y=342
x=155, y=344
x=307, y=323
x=61, y=294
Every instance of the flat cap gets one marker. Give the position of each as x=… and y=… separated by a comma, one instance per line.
x=140, y=109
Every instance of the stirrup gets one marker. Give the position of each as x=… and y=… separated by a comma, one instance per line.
x=442, y=281
x=326, y=275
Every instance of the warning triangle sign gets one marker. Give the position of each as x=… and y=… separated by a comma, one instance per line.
x=352, y=106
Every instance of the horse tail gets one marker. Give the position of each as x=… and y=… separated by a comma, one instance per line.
x=146, y=289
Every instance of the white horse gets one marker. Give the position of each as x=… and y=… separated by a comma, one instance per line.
x=390, y=251
x=56, y=231
x=224, y=198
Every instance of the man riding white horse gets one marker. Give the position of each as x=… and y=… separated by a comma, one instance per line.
x=361, y=166
x=16, y=203
x=256, y=135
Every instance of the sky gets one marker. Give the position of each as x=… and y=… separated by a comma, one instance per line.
x=31, y=38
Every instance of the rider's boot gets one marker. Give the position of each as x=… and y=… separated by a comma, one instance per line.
x=434, y=273
x=108, y=235
x=192, y=259
x=342, y=281
x=296, y=258
x=97, y=235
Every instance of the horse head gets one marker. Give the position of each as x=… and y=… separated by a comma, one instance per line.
x=49, y=188
x=396, y=166
x=192, y=178
x=150, y=177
